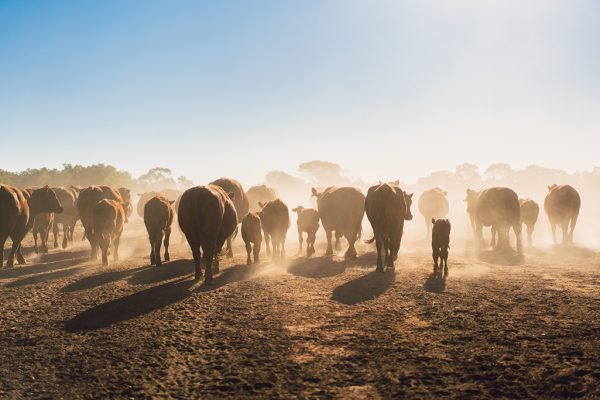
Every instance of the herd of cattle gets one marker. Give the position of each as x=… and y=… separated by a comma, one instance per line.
x=209, y=217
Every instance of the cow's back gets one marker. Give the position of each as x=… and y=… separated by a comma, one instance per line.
x=530, y=211
x=201, y=211
x=498, y=205
x=385, y=207
x=562, y=203
x=13, y=208
x=240, y=199
x=107, y=217
x=158, y=214
x=341, y=208
x=433, y=204
x=275, y=216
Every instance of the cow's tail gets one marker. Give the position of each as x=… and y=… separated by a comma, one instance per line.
x=233, y=236
x=370, y=240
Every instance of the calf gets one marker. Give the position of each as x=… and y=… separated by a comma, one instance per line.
x=251, y=234
x=108, y=217
x=158, y=218
x=42, y=224
x=440, y=243
x=275, y=220
x=308, y=221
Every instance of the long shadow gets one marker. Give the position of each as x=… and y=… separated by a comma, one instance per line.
x=168, y=270
x=317, y=267
x=93, y=281
x=435, y=284
x=39, y=278
x=47, y=262
x=367, y=287
x=501, y=257
x=132, y=306
x=236, y=273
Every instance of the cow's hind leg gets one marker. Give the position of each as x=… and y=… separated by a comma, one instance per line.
x=268, y=244
x=166, y=243
x=573, y=224
x=3, y=238
x=379, y=246
x=229, y=248
x=445, y=261
x=197, y=257
x=208, y=260
x=329, y=250
x=248, y=252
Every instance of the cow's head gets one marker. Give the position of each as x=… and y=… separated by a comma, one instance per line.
x=471, y=200
x=125, y=205
x=408, y=201
x=298, y=210
x=44, y=200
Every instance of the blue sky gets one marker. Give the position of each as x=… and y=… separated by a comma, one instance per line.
x=388, y=89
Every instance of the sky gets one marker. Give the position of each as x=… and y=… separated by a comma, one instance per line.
x=387, y=89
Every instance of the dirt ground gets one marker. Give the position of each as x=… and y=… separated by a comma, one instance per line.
x=304, y=328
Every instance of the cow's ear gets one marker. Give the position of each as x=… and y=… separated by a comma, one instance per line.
x=396, y=182
x=314, y=192
x=231, y=195
x=295, y=209
x=171, y=202
x=410, y=195
x=261, y=205
x=433, y=221
x=46, y=187
x=549, y=187
x=445, y=193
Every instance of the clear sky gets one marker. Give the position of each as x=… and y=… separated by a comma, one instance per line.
x=387, y=89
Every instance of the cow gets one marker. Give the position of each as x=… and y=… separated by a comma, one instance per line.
x=17, y=213
x=498, y=208
x=158, y=218
x=387, y=207
x=530, y=210
x=440, y=243
x=169, y=194
x=126, y=196
x=42, y=224
x=275, y=221
x=68, y=218
x=252, y=236
x=308, y=221
x=86, y=201
x=562, y=204
x=341, y=209
x=259, y=194
x=207, y=217
x=108, y=217
x=433, y=204
x=240, y=201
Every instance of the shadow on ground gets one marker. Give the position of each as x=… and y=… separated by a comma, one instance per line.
x=46, y=277
x=93, y=281
x=364, y=288
x=435, y=284
x=46, y=263
x=501, y=257
x=168, y=270
x=154, y=298
x=328, y=266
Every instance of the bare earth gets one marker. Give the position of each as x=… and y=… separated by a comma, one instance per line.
x=320, y=327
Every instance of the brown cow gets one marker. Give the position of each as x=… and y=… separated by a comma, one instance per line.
x=440, y=243
x=499, y=208
x=158, y=218
x=169, y=194
x=308, y=221
x=42, y=224
x=433, y=204
x=68, y=218
x=108, y=217
x=259, y=194
x=252, y=235
x=387, y=207
x=207, y=218
x=240, y=201
x=275, y=221
x=86, y=201
x=126, y=196
x=562, y=204
x=530, y=210
x=17, y=214
x=341, y=210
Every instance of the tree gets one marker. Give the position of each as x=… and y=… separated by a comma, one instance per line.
x=184, y=183
x=499, y=172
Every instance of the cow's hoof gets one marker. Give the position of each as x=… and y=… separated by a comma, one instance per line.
x=167, y=257
x=379, y=269
x=208, y=279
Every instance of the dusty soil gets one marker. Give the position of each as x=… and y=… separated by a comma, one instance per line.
x=319, y=327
